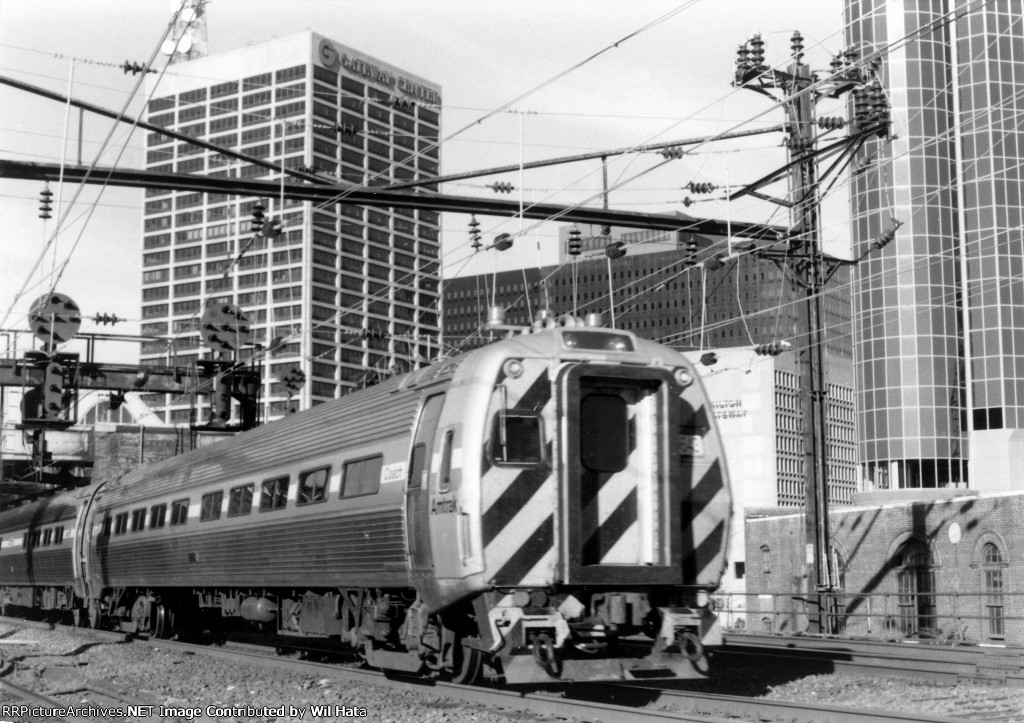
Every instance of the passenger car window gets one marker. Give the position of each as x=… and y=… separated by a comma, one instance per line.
x=604, y=433
x=210, y=506
x=274, y=494
x=361, y=476
x=179, y=512
x=240, y=500
x=313, y=485
x=516, y=439
x=444, y=480
x=157, y=516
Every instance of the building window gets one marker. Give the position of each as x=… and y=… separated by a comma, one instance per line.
x=915, y=583
x=992, y=564
x=138, y=519
x=121, y=523
x=766, y=567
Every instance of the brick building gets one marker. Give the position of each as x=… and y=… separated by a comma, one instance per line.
x=937, y=566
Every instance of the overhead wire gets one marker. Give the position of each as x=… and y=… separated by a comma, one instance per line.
x=62, y=213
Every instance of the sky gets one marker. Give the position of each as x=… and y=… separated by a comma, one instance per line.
x=590, y=82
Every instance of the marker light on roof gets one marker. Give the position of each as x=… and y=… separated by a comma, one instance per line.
x=596, y=340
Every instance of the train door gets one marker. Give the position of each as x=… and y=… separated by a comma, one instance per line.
x=418, y=490
x=619, y=475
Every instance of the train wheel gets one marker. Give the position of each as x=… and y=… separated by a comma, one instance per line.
x=469, y=663
x=163, y=621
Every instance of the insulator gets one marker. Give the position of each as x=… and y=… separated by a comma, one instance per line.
x=757, y=50
x=742, y=58
x=861, y=109
x=474, y=233
x=673, y=152
x=346, y=129
x=44, y=202
x=503, y=242
x=716, y=262
x=835, y=64
x=888, y=237
x=687, y=201
x=135, y=68
x=615, y=250
x=106, y=319
x=606, y=230
x=501, y=187
x=831, y=123
x=797, y=45
x=575, y=245
x=705, y=187
x=258, y=217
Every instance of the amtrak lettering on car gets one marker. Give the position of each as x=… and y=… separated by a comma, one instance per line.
x=443, y=506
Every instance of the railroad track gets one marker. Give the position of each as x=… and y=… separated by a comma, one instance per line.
x=938, y=663
x=625, y=702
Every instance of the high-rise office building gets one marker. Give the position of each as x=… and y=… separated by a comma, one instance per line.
x=939, y=314
x=345, y=293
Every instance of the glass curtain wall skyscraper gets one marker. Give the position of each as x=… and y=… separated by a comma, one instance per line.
x=939, y=314
x=349, y=293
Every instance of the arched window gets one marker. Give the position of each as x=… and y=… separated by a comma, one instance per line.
x=992, y=564
x=916, y=586
x=766, y=568
x=836, y=620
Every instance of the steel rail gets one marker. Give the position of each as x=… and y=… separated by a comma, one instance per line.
x=730, y=707
x=903, y=659
x=579, y=702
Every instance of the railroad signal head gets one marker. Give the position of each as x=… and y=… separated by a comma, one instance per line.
x=294, y=379
x=54, y=319
x=53, y=390
x=221, y=407
x=225, y=327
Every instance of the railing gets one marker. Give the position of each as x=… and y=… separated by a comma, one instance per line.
x=958, y=618
x=61, y=443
